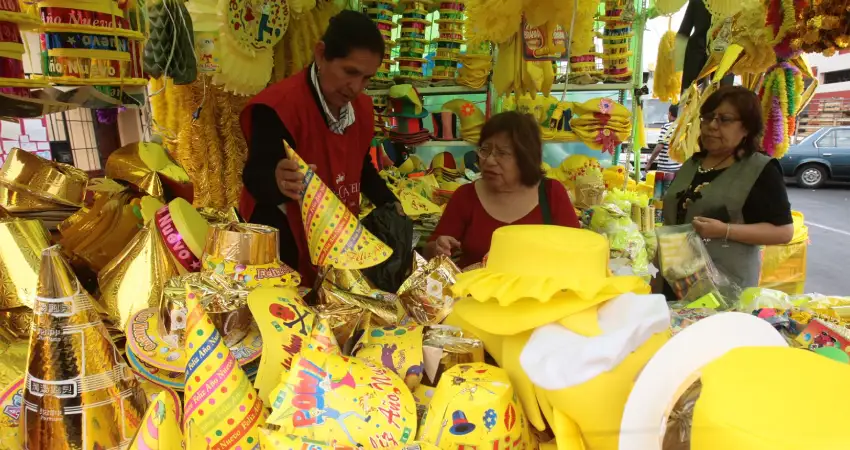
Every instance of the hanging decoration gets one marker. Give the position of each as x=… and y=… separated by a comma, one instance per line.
x=295, y=51
x=169, y=50
x=584, y=68
x=781, y=98
x=667, y=82
x=822, y=27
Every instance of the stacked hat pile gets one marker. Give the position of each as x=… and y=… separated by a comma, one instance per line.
x=12, y=20
x=411, y=55
x=601, y=123
x=449, y=41
x=407, y=113
x=616, y=40
x=381, y=12
x=379, y=107
x=583, y=68
x=90, y=43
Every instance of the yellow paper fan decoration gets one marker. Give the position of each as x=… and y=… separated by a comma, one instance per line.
x=335, y=237
x=667, y=82
x=256, y=24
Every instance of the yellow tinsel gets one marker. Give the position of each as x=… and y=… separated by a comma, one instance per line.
x=171, y=124
x=492, y=20
x=295, y=50
x=667, y=82
x=159, y=103
x=582, y=36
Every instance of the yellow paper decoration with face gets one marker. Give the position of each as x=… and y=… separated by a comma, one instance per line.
x=286, y=325
x=222, y=409
x=344, y=401
x=334, y=235
x=160, y=428
x=474, y=406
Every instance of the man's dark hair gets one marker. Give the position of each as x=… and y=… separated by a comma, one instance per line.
x=674, y=111
x=351, y=30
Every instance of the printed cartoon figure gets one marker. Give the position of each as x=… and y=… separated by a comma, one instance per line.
x=329, y=384
x=387, y=352
x=414, y=375
x=331, y=413
x=290, y=316
x=823, y=340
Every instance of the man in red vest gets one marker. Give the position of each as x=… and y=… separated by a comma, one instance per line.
x=323, y=114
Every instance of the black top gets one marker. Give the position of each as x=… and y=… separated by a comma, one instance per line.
x=697, y=19
x=766, y=203
x=265, y=151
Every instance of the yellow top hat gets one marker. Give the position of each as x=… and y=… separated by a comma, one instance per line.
x=539, y=261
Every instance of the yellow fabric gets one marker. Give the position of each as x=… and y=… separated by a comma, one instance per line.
x=527, y=262
x=597, y=405
x=585, y=322
x=740, y=407
x=470, y=116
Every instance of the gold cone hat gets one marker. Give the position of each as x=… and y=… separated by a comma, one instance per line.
x=79, y=392
x=134, y=280
x=142, y=164
x=21, y=243
x=160, y=428
x=334, y=235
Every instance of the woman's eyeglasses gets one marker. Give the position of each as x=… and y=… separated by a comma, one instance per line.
x=721, y=120
x=497, y=153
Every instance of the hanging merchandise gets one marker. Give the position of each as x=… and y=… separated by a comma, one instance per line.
x=170, y=50
x=667, y=82
x=616, y=40
x=583, y=55
x=108, y=52
x=411, y=61
x=205, y=25
x=823, y=27
x=295, y=51
x=247, y=35
x=781, y=98
x=13, y=81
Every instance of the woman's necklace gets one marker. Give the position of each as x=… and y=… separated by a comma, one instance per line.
x=700, y=169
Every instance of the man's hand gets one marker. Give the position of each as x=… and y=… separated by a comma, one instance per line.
x=446, y=245
x=399, y=209
x=289, y=180
x=709, y=228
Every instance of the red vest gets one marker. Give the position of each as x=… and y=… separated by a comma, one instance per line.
x=338, y=158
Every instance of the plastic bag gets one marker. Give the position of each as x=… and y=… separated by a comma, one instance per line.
x=688, y=269
x=397, y=232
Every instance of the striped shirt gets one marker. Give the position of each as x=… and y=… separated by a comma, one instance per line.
x=346, y=114
x=665, y=164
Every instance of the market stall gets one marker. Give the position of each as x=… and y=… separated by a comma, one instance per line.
x=138, y=310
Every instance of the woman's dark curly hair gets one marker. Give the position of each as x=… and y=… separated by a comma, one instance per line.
x=749, y=110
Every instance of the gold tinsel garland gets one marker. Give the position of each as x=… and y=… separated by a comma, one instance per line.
x=295, y=51
x=211, y=147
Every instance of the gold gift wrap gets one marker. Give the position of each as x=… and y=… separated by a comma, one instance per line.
x=15, y=325
x=79, y=393
x=343, y=320
x=426, y=294
x=47, y=180
x=678, y=432
x=225, y=301
x=242, y=243
x=21, y=243
x=219, y=217
x=385, y=307
x=18, y=202
x=134, y=279
x=445, y=347
x=126, y=164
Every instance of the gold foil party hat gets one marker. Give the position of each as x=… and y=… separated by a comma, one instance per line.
x=222, y=409
x=142, y=164
x=134, y=279
x=21, y=243
x=47, y=180
x=79, y=393
x=248, y=253
x=334, y=235
x=160, y=429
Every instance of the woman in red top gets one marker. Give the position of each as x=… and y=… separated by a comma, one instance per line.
x=509, y=192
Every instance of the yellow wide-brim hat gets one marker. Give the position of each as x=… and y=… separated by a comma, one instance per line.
x=601, y=105
x=540, y=262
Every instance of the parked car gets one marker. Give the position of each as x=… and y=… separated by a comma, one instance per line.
x=823, y=156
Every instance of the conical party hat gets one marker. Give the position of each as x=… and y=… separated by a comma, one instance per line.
x=21, y=243
x=79, y=393
x=222, y=409
x=160, y=428
x=334, y=235
x=134, y=279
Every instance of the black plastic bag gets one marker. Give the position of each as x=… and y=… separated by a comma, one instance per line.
x=397, y=232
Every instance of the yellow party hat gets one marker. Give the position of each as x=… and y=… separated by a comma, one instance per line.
x=74, y=371
x=222, y=408
x=334, y=235
x=160, y=429
x=11, y=401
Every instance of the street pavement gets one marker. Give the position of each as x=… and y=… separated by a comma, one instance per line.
x=827, y=213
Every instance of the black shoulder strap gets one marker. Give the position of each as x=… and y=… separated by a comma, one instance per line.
x=543, y=200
